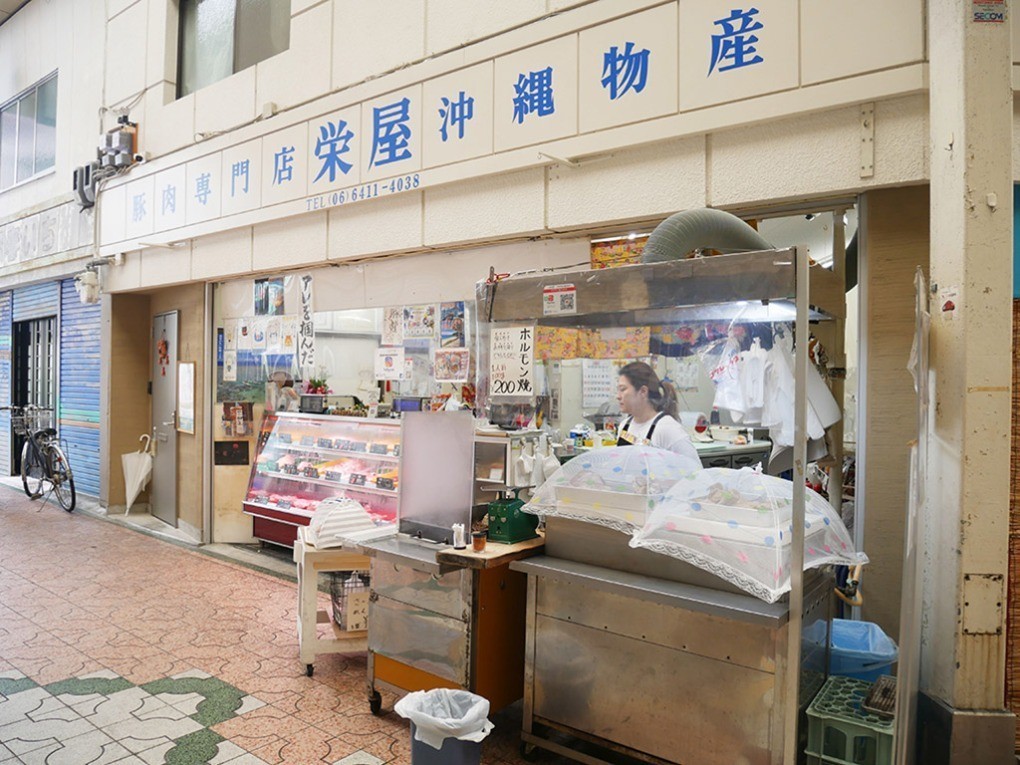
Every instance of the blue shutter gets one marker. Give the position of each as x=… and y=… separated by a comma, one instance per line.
x=5, y=382
x=78, y=397
x=37, y=301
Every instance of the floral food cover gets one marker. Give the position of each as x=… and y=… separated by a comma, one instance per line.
x=612, y=486
x=737, y=525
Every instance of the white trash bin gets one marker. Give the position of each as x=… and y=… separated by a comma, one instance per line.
x=447, y=726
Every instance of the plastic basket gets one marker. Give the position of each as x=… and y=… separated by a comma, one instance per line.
x=841, y=732
x=349, y=592
x=861, y=650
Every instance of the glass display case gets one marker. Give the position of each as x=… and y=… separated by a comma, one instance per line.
x=304, y=459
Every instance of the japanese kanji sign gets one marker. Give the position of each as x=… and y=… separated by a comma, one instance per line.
x=511, y=361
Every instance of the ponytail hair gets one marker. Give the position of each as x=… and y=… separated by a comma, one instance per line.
x=661, y=395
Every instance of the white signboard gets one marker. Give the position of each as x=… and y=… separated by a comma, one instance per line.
x=598, y=382
x=389, y=364
x=512, y=362
x=242, y=177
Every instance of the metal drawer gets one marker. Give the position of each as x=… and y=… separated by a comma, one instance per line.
x=449, y=594
x=751, y=459
x=719, y=460
x=419, y=638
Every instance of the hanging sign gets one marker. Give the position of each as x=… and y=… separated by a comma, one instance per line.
x=306, y=328
x=511, y=361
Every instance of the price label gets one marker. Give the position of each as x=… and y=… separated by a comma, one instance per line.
x=307, y=440
x=283, y=504
x=325, y=443
x=396, y=450
x=262, y=499
x=311, y=472
x=359, y=446
x=356, y=479
x=290, y=469
x=343, y=445
x=384, y=483
x=284, y=438
x=380, y=449
x=333, y=475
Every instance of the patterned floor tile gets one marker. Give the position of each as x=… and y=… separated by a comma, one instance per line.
x=359, y=758
x=94, y=748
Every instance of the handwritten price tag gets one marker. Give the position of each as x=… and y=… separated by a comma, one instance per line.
x=511, y=362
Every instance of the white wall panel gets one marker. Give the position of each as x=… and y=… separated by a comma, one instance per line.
x=817, y=154
x=116, y=7
x=301, y=72
x=127, y=276
x=386, y=224
x=454, y=22
x=217, y=255
x=126, y=53
x=169, y=124
x=226, y=104
x=290, y=242
x=645, y=182
x=500, y=205
x=877, y=35
x=370, y=38
x=161, y=266
x=161, y=55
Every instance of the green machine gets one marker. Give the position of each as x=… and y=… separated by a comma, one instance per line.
x=508, y=523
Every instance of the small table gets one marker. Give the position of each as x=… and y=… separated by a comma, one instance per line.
x=310, y=563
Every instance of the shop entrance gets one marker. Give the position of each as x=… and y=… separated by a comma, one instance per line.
x=34, y=373
x=163, y=494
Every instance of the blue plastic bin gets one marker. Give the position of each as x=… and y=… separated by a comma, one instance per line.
x=861, y=650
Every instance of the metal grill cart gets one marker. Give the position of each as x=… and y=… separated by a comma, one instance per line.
x=639, y=653
x=441, y=617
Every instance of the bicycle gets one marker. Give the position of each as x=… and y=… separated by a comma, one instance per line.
x=42, y=459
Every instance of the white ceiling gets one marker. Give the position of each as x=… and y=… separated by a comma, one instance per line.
x=8, y=7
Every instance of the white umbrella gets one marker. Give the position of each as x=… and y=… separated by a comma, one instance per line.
x=137, y=471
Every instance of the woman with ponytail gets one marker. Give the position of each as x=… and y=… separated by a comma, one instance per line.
x=651, y=404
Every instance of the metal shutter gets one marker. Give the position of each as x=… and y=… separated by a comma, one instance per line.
x=5, y=382
x=37, y=301
x=78, y=397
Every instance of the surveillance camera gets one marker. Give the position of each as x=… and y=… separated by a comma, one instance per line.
x=86, y=284
x=139, y=158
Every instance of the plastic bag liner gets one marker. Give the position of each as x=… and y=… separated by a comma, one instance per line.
x=613, y=486
x=737, y=525
x=444, y=713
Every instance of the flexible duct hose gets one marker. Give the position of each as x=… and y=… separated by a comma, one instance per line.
x=702, y=229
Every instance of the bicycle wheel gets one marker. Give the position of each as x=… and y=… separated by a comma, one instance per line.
x=62, y=478
x=33, y=473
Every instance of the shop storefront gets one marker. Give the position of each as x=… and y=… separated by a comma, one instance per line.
x=50, y=357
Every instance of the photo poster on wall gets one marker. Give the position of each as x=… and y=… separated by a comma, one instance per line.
x=512, y=361
x=288, y=334
x=393, y=326
x=389, y=364
x=452, y=365
x=258, y=333
x=419, y=321
x=683, y=371
x=268, y=297
x=451, y=324
x=244, y=334
x=229, y=366
x=230, y=335
x=274, y=334
x=236, y=419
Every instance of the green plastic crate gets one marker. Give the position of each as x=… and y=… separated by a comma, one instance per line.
x=840, y=732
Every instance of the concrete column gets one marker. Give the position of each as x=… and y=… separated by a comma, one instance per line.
x=961, y=713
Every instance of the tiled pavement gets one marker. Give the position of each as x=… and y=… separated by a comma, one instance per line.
x=116, y=647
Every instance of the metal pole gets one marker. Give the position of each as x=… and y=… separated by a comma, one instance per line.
x=790, y=738
x=838, y=359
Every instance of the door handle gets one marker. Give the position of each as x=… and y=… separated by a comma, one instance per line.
x=168, y=424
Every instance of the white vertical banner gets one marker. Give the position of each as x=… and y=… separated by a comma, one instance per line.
x=306, y=330
x=511, y=361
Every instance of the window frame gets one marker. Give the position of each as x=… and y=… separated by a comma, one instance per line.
x=17, y=99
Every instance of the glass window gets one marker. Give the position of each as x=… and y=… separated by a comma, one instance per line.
x=221, y=37
x=28, y=125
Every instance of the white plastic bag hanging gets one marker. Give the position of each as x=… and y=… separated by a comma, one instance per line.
x=445, y=713
x=721, y=361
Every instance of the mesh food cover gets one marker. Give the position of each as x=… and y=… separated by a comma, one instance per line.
x=614, y=486
x=736, y=524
